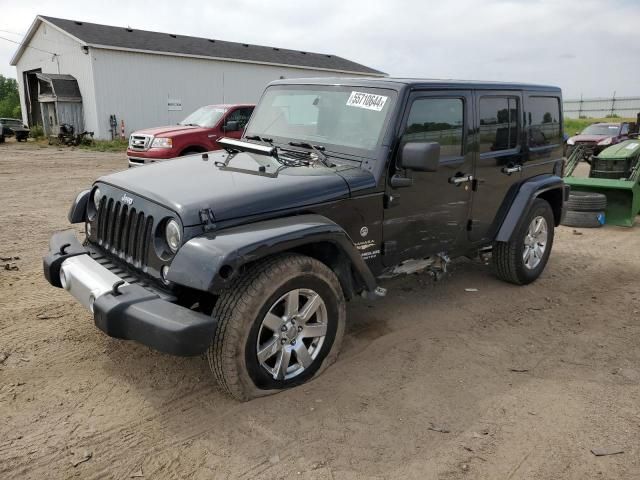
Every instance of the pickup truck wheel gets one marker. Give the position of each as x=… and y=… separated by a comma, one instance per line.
x=279, y=325
x=191, y=151
x=522, y=259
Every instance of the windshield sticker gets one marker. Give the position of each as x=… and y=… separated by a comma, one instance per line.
x=366, y=100
x=632, y=146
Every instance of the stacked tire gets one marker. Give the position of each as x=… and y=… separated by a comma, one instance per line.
x=585, y=210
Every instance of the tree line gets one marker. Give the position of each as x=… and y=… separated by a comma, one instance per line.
x=9, y=98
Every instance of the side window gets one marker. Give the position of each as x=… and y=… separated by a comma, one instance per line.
x=544, y=121
x=240, y=115
x=498, y=123
x=625, y=129
x=437, y=120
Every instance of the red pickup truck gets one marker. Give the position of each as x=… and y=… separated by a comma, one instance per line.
x=197, y=133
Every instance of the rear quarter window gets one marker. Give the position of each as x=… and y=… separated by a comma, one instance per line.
x=544, y=121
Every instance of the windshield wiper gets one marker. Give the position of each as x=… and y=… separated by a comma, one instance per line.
x=318, y=149
x=307, y=145
x=259, y=138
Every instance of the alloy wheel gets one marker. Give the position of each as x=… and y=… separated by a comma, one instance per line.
x=535, y=242
x=292, y=333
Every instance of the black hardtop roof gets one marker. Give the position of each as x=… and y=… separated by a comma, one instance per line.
x=401, y=83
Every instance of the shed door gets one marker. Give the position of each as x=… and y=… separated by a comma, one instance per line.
x=49, y=117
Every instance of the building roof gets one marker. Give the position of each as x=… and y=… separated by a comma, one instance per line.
x=130, y=39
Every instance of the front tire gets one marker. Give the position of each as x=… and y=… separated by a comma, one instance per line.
x=280, y=325
x=522, y=259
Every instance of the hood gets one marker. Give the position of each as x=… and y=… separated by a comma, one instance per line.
x=170, y=130
x=626, y=149
x=190, y=184
x=589, y=138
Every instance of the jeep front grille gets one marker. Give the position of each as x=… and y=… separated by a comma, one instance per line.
x=140, y=142
x=124, y=232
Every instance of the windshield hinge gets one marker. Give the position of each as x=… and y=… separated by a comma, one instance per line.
x=207, y=219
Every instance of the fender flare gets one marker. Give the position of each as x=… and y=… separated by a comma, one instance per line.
x=529, y=190
x=78, y=211
x=210, y=262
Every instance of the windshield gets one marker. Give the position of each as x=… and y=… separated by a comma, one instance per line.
x=601, y=130
x=330, y=116
x=206, y=117
x=10, y=122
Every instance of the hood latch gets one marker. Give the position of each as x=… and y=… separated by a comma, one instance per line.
x=207, y=219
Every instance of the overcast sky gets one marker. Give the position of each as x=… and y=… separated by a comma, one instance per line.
x=589, y=47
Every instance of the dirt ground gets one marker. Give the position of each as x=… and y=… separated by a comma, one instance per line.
x=433, y=381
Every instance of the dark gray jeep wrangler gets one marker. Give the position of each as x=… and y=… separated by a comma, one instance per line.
x=249, y=253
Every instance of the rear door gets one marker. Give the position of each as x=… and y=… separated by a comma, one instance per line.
x=497, y=168
x=430, y=215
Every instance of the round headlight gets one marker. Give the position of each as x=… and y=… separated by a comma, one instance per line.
x=97, y=196
x=173, y=235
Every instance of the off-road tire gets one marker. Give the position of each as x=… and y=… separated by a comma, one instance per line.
x=583, y=219
x=242, y=307
x=586, y=202
x=507, y=258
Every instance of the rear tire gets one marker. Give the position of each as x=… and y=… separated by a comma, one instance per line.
x=522, y=259
x=586, y=202
x=583, y=219
x=260, y=328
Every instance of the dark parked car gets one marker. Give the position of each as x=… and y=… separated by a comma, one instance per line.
x=598, y=136
x=10, y=127
x=197, y=133
x=250, y=253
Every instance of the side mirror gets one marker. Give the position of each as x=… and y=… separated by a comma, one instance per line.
x=577, y=133
x=420, y=156
x=232, y=126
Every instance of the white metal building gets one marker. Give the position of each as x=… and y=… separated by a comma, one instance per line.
x=151, y=78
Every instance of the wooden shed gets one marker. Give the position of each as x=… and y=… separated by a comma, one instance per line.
x=60, y=102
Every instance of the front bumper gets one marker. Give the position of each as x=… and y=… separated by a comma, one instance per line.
x=121, y=309
x=138, y=158
x=140, y=161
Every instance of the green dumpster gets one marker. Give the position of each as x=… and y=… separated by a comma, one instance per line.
x=615, y=172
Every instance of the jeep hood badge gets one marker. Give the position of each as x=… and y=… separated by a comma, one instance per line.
x=127, y=200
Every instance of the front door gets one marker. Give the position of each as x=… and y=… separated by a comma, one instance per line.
x=497, y=170
x=430, y=215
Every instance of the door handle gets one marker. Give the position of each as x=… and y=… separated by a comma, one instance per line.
x=510, y=170
x=461, y=180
